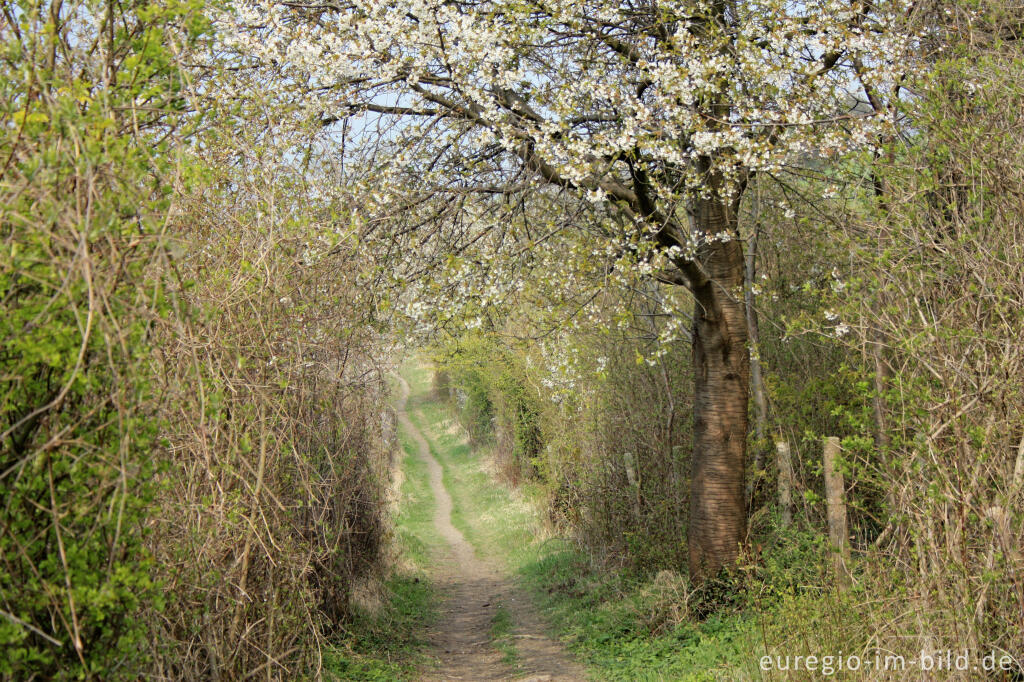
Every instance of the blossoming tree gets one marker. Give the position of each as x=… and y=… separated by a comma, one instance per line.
x=654, y=114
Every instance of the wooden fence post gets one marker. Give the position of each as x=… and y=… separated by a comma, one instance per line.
x=835, y=499
x=785, y=464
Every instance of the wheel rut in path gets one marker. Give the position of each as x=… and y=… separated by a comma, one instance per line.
x=472, y=589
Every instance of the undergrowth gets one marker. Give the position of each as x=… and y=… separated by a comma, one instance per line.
x=624, y=626
x=387, y=643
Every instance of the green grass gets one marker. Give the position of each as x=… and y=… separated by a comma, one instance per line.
x=415, y=523
x=501, y=635
x=385, y=645
x=388, y=644
x=622, y=627
x=497, y=521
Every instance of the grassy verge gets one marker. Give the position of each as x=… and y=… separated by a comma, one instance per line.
x=386, y=643
x=621, y=627
x=627, y=628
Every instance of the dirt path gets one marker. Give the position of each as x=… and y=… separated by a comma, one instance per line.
x=473, y=589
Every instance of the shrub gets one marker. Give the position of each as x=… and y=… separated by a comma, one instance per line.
x=191, y=445
x=82, y=205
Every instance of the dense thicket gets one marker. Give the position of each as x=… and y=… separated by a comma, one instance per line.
x=190, y=395
x=937, y=303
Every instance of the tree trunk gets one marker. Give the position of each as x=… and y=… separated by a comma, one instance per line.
x=756, y=380
x=721, y=366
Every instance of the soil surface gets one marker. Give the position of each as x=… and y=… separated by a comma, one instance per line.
x=473, y=589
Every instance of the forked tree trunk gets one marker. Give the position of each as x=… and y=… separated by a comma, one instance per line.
x=721, y=366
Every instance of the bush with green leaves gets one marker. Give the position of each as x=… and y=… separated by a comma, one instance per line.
x=92, y=102
x=191, y=444
x=940, y=292
x=495, y=402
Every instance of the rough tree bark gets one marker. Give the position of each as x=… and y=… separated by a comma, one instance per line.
x=721, y=367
